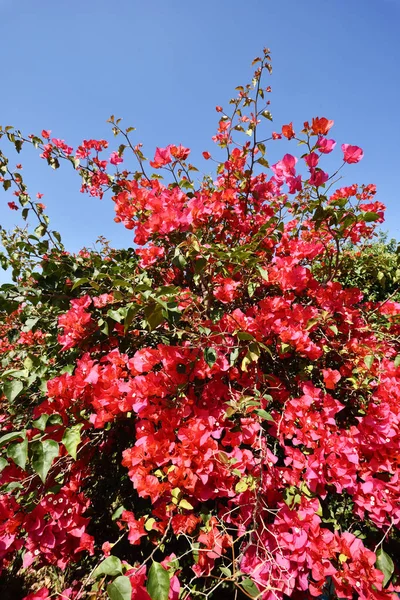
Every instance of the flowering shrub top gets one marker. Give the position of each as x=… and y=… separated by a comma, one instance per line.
x=213, y=412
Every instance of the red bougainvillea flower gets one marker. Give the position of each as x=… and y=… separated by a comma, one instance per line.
x=179, y=152
x=321, y=126
x=231, y=365
x=149, y=255
x=331, y=377
x=226, y=289
x=287, y=131
x=352, y=154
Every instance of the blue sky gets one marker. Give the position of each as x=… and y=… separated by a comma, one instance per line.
x=164, y=66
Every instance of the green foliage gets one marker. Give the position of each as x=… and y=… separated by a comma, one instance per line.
x=374, y=268
x=120, y=589
x=158, y=582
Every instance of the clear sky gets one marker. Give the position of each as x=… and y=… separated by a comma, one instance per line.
x=164, y=66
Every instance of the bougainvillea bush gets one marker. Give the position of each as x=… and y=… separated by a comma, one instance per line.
x=214, y=412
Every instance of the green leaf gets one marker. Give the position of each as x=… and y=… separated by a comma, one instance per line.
x=210, y=356
x=149, y=524
x=252, y=355
x=158, y=582
x=120, y=588
x=41, y=422
x=250, y=588
x=233, y=356
x=241, y=486
x=11, y=436
x=18, y=452
x=263, y=273
x=12, y=389
x=29, y=323
x=116, y=514
x=179, y=261
x=262, y=161
x=264, y=414
x=28, y=363
x=185, y=504
x=55, y=419
x=72, y=439
x=79, y=282
x=18, y=145
x=251, y=288
x=74, y=162
x=54, y=162
x=243, y=335
x=130, y=315
x=368, y=360
x=117, y=315
x=199, y=264
x=3, y=463
x=109, y=566
x=154, y=315
x=43, y=454
x=385, y=564
x=40, y=230
x=397, y=361
x=369, y=217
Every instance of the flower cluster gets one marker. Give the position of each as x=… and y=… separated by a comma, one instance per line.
x=216, y=410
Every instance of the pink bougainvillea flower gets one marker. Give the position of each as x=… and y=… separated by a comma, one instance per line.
x=318, y=177
x=312, y=159
x=106, y=548
x=162, y=157
x=61, y=145
x=115, y=159
x=352, y=154
x=103, y=300
x=325, y=146
x=294, y=184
